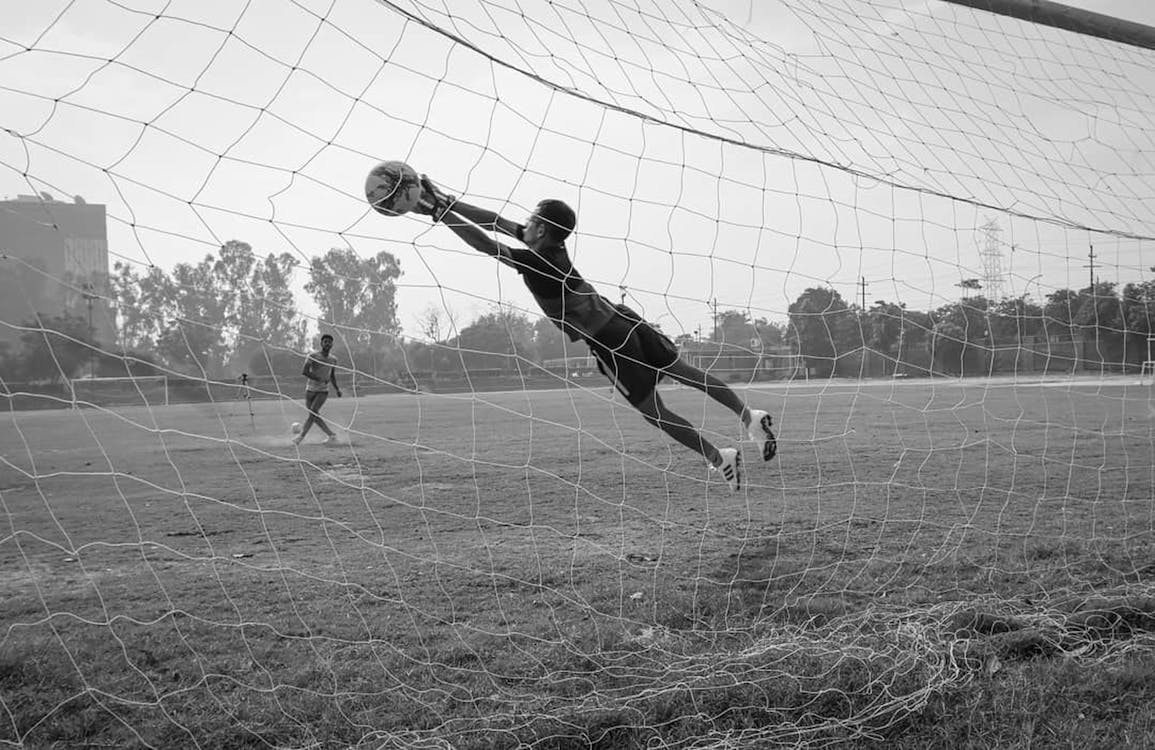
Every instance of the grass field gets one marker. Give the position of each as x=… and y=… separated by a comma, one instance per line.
x=934, y=564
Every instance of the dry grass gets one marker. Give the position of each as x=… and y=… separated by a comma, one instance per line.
x=926, y=564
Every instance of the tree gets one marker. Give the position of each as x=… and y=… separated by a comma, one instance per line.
x=1139, y=318
x=194, y=338
x=231, y=303
x=770, y=334
x=900, y=334
x=144, y=302
x=496, y=339
x=1101, y=319
x=550, y=343
x=135, y=327
x=1059, y=311
x=819, y=318
x=1139, y=307
x=55, y=348
x=232, y=272
x=436, y=322
x=734, y=327
x=1013, y=319
x=357, y=295
x=8, y=362
x=961, y=336
x=265, y=312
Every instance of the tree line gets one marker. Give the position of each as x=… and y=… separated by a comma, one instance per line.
x=234, y=311
x=1116, y=323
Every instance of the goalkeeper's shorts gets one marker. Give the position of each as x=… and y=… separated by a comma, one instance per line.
x=633, y=355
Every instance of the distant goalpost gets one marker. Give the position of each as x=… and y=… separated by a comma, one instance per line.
x=536, y=566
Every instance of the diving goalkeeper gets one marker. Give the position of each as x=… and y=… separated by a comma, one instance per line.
x=628, y=350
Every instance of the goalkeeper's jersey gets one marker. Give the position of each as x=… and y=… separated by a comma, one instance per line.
x=564, y=296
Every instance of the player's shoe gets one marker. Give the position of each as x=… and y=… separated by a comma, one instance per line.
x=731, y=467
x=297, y=439
x=760, y=432
x=331, y=440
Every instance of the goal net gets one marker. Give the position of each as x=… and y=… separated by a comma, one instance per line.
x=918, y=235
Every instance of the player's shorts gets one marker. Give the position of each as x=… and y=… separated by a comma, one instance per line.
x=314, y=400
x=633, y=355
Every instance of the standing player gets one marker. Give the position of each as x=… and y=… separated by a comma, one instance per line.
x=320, y=370
x=628, y=350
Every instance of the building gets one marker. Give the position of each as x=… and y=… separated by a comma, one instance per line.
x=53, y=259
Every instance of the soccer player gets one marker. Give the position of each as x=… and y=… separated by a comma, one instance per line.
x=628, y=350
x=320, y=370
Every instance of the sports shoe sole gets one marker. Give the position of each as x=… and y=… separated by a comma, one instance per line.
x=770, y=447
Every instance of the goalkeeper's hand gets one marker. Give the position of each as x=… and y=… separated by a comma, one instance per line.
x=434, y=202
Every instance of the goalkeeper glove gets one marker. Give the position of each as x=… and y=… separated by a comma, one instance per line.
x=434, y=201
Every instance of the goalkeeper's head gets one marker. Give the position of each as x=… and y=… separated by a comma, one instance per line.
x=552, y=220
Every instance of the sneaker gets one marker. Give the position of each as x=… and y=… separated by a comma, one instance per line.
x=331, y=440
x=760, y=432
x=731, y=467
x=297, y=440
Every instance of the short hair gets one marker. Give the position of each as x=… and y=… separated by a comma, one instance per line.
x=557, y=217
x=326, y=336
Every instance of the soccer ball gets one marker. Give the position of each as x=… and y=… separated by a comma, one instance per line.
x=393, y=188
x=295, y=428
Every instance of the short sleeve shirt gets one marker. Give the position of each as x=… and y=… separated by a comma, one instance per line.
x=321, y=366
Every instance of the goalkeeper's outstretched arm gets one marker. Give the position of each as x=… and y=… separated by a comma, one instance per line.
x=476, y=237
x=439, y=203
x=485, y=218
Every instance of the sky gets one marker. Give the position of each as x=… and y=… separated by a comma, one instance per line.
x=726, y=154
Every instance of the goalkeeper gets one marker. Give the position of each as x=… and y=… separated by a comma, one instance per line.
x=628, y=350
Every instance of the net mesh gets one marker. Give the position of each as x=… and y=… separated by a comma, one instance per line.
x=916, y=234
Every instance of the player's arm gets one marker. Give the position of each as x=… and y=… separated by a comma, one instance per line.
x=486, y=219
x=441, y=202
x=476, y=238
x=333, y=380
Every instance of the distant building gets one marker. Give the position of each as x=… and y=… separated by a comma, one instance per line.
x=53, y=253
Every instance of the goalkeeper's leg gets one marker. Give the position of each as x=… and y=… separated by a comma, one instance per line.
x=756, y=421
x=687, y=374
x=728, y=460
x=674, y=425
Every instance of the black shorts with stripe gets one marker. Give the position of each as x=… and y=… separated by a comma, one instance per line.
x=633, y=355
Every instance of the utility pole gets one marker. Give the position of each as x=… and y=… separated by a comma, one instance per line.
x=862, y=283
x=1091, y=266
x=714, y=308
